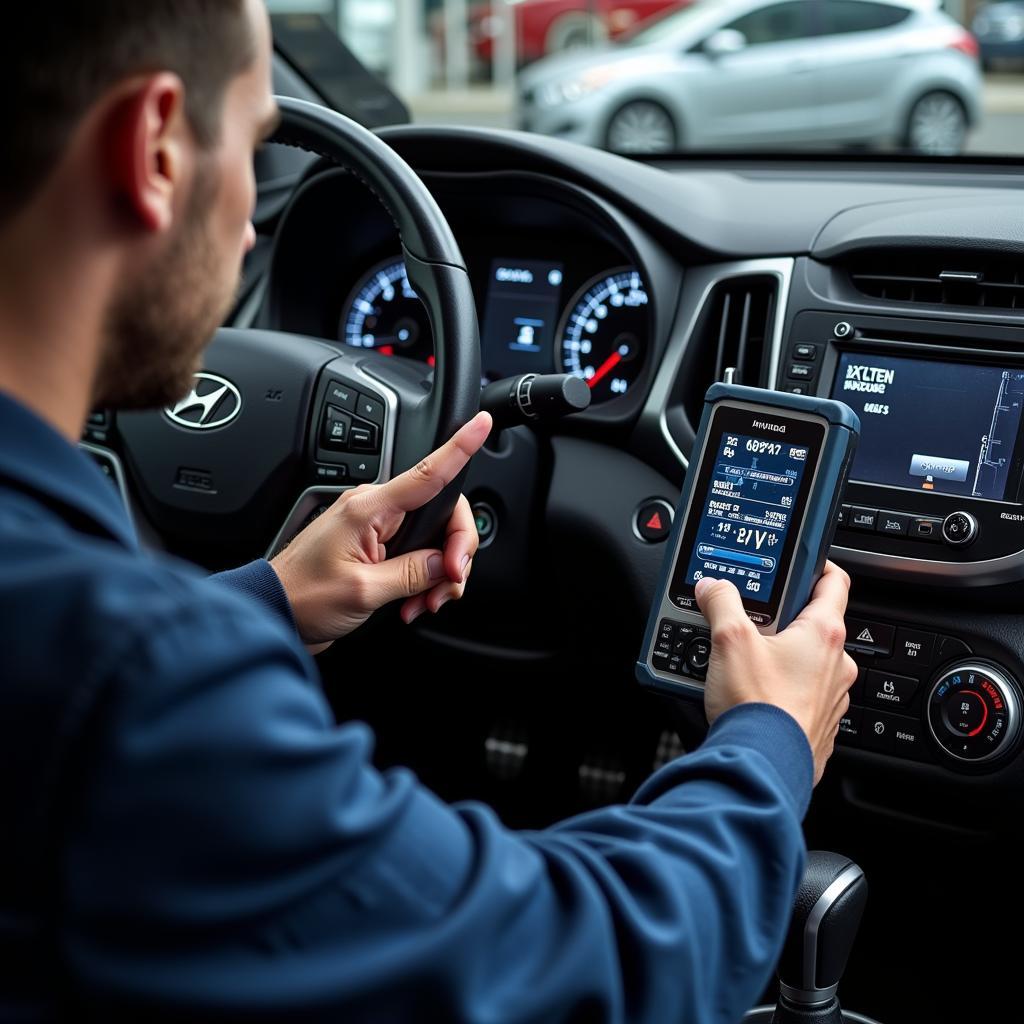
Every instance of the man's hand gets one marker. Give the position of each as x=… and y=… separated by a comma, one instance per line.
x=337, y=573
x=804, y=669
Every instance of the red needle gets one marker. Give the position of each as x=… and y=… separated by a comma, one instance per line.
x=605, y=368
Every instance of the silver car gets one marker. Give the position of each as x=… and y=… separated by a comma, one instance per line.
x=728, y=74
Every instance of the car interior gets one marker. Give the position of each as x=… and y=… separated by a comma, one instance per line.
x=892, y=284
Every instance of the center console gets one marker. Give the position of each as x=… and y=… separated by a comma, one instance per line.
x=936, y=497
x=935, y=492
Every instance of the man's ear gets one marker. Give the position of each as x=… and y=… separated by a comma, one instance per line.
x=149, y=144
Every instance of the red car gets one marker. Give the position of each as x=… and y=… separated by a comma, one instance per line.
x=548, y=26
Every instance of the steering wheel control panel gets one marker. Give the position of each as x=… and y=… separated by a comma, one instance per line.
x=758, y=509
x=924, y=696
x=348, y=430
x=936, y=486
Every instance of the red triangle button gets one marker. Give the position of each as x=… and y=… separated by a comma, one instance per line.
x=654, y=523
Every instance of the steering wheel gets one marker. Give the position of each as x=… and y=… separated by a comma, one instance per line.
x=277, y=424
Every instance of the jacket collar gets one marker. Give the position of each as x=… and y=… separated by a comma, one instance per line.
x=37, y=459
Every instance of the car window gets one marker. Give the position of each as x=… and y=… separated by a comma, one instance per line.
x=779, y=23
x=639, y=78
x=841, y=16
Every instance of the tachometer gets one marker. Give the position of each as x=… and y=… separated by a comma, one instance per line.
x=384, y=313
x=603, y=336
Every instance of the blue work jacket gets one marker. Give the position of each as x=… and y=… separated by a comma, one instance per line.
x=189, y=835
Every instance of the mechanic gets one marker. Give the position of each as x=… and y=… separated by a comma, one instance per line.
x=187, y=832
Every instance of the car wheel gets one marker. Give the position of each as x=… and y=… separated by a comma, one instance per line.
x=641, y=126
x=937, y=125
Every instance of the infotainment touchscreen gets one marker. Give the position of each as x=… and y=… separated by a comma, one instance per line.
x=936, y=426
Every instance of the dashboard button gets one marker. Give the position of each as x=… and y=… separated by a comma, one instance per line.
x=850, y=726
x=798, y=389
x=342, y=394
x=908, y=738
x=878, y=732
x=331, y=473
x=887, y=690
x=894, y=523
x=844, y=516
x=652, y=521
x=959, y=529
x=806, y=353
x=842, y=329
x=926, y=528
x=801, y=371
x=863, y=518
x=914, y=649
x=371, y=409
x=869, y=637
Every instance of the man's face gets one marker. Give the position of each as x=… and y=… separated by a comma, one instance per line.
x=163, y=318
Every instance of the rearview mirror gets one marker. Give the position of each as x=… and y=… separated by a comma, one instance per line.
x=723, y=42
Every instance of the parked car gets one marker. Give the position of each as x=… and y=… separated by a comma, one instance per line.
x=550, y=26
x=763, y=73
x=999, y=28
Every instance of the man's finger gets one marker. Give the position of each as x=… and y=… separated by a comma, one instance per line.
x=461, y=542
x=720, y=603
x=427, y=479
x=404, y=576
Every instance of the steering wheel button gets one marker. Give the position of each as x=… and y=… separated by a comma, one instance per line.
x=332, y=473
x=343, y=395
x=336, y=427
x=886, y=690
x=371, y=409
x=363, y=437
x=362, y=469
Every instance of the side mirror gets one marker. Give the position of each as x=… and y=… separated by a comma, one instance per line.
x=723, y=42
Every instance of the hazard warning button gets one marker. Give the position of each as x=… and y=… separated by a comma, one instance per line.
x=652, y=521
x=869, y=637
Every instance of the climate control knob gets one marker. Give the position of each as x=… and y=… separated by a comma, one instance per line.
x=974, y=711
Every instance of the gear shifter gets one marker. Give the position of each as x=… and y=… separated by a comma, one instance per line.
x=826, y=915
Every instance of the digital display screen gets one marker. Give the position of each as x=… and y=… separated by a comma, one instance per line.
x=747, y=506
x=520, y=316
x=946, y=427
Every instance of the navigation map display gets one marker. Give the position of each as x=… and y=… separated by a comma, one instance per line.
x=951, y=428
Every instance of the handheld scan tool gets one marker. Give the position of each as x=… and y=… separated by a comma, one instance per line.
x=759, y=508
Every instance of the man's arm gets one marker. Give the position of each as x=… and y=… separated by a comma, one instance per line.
x=234, y=853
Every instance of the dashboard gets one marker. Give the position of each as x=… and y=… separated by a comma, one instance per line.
x=893, y=287
x=875, y=291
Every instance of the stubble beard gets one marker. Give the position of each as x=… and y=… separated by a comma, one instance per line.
x=160, y=323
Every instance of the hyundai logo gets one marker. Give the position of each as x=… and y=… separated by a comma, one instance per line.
x=212, y=402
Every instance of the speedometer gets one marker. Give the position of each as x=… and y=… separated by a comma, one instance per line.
x=603, y=336
x=384, y=313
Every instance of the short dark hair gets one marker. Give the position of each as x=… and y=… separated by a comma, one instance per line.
x=61, y=55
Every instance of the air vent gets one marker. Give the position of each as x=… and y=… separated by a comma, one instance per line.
x=732, y=339
x=940, y=278
x=741, y=315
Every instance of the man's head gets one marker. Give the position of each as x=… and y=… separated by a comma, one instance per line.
x=144, y=114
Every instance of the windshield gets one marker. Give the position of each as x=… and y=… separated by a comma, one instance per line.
x=664, y=77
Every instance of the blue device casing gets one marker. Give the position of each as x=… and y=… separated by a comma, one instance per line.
x=815, y=532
